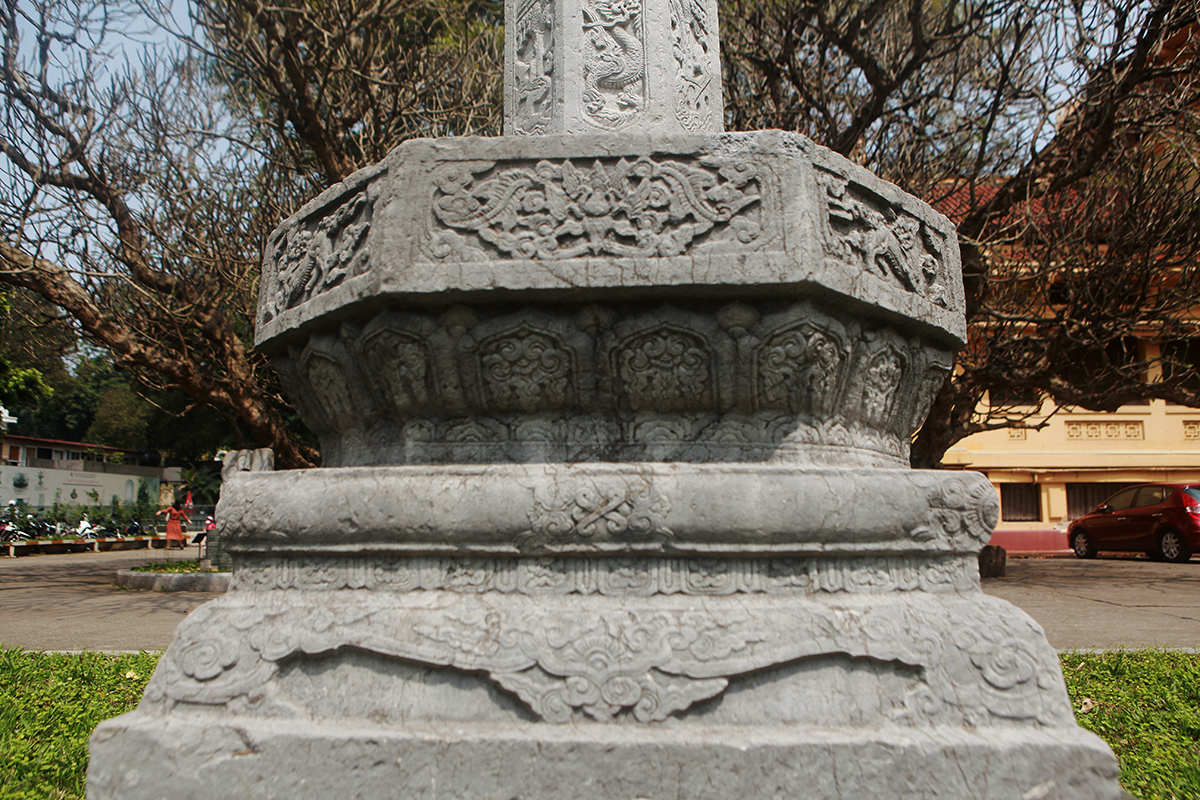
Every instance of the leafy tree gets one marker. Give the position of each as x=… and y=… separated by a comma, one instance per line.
x=204, y=482
x=120, y=420
x=138, y=195
x=27, y=357
x=334, y=86
x=125, y=204
x=72, y=405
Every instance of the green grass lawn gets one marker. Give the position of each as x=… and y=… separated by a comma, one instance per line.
x=49, y=705
x=1144, y=703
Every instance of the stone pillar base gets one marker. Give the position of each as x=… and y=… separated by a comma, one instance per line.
x=621, y=631
x=189, y=758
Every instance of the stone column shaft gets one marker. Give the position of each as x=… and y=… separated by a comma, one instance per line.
x=584, y=66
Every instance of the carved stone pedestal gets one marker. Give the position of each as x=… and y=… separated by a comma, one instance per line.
x=614, y=501
x=637, y=630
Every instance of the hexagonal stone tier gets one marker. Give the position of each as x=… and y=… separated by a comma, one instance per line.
x=736, y=297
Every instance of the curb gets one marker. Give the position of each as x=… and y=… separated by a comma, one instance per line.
x=103, y=544
x=168, y=582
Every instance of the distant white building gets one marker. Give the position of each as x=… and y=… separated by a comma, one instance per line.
x=41, y=472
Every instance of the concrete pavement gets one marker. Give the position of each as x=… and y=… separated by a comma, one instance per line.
x=1106, y=602
x=68, y=602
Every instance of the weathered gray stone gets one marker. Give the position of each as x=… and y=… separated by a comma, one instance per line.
x=556, y=218
x=581, y=66
x=745, y=297
x=269, y=759
x=518, y=510
x=614, y=504
x=742, y=626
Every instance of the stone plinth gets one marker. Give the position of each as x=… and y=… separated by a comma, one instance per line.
x=628, y=630
x=614, y=501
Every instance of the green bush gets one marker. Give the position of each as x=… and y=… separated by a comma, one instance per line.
x=181, y=566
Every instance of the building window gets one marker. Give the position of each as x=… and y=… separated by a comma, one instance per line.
x=1020, y=502
x=1181, y=363
x=1082, y=498
x=1000, y=397
x=1095, y=365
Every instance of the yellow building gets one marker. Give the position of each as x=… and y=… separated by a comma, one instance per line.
x=1046, y=478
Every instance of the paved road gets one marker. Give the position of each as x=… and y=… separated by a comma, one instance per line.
x=67, y=602
x=1106, y=602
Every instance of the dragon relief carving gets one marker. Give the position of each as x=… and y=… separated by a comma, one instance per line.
x=879, y=238
x=691, y=29
x=534, y=66
x=629, y=208
x=313, y=260
x=614, y=67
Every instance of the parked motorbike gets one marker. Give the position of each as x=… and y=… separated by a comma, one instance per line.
x=86, y=530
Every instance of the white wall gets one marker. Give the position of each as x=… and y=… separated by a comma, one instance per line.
x=45, y=486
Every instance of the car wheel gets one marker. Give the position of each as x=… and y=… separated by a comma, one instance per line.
x=1172, y=547
x=1082, y=543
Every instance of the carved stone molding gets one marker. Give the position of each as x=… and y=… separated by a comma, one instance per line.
x=533, y=71
x=614, y=62
x=867, y=233
x=614, y=418
x=323, y=250
x=457, y=220
x=554, y=210
x=238, y=461
x=647, y=661
x=697, y=87
x=788, y=383
x=611, y=577
x=574, y=66
x=650, y=509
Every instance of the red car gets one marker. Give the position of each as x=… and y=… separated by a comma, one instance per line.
x=1161, y=520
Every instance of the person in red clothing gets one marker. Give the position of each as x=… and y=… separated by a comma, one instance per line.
x=174, y=528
